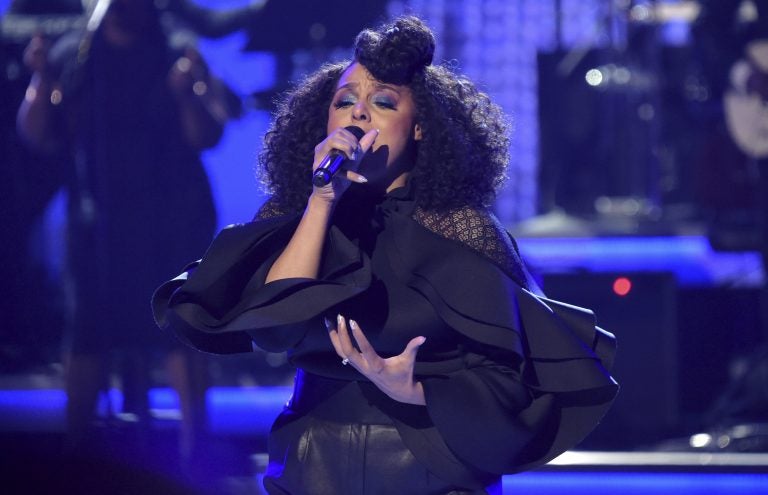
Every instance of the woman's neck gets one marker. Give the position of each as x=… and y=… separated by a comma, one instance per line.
x=399, y=181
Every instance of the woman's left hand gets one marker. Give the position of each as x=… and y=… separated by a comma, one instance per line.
x=393, y=376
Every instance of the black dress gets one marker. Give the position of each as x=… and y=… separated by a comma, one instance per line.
x=139, y=201
x=511, y=379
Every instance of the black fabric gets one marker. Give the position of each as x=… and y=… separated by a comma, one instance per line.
x=511, y=379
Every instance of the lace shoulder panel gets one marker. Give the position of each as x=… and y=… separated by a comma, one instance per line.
x=479, y=230
x=271, y=209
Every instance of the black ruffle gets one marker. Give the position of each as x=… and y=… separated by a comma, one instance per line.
x=492, y=419
x=225, y=304
x=565, y=356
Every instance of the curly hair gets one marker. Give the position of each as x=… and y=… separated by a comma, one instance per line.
x=464, y=151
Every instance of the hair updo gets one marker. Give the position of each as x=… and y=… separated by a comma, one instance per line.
x=462, y=156
x=396, y=51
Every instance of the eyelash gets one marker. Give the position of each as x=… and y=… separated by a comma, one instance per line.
x=386, y=104
x=345, y=103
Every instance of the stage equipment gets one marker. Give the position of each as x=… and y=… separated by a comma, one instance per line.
x=641, y=310
x=620, y=133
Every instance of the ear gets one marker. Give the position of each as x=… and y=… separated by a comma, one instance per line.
x=417, y=132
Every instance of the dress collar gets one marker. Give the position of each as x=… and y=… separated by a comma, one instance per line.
x=400, y=199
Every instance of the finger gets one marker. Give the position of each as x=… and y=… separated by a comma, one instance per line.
x=344, y=135
x=355, y=177
x=361, y=147
x=336, y=141
x=368, y=139
x=347, y=348
x=413, y=348
x=362, y=342
x=374, y=361
x=334, y=336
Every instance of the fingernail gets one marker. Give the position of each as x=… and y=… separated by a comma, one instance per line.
x=339, y=319
x=327, y=323
x=423, y=339
x=361, y=179
x=353, y=323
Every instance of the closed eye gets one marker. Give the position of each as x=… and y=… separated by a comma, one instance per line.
x=385, y=103
x=342, y=104
x=344, y=101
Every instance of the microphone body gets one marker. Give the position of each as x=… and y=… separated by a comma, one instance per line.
x=331, y=164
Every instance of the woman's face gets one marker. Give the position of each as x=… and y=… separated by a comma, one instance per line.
x=363, y=101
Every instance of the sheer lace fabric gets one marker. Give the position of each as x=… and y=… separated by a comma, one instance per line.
x=479, y=230
x=271, y=209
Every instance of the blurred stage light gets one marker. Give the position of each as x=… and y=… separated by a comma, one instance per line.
x=701, y=440
x=594, y=77
x=622, y=286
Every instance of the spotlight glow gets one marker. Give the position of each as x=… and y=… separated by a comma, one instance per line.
x=622, y=286
x=594, y=77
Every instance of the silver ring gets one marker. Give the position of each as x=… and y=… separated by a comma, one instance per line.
x=345, y=361
x=357, y=153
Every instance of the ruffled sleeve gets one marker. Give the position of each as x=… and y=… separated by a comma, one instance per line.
x=533, y=382
x=222, y=305
x=504, y=414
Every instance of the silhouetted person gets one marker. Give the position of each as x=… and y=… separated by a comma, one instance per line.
x=132, y=113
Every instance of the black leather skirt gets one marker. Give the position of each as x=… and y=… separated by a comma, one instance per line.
x=341, y=445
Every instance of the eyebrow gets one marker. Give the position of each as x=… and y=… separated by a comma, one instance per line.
x=354, y=85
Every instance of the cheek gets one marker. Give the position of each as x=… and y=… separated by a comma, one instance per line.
x=401, y=136
x=397, y=140
x=332, y=121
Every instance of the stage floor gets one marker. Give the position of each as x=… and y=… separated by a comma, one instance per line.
x=32, y=425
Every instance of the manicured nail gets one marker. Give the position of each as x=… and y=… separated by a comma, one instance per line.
x=423, y=339
x=339, y=319
x=327, y=323
x=353, y=324
x=361, y=179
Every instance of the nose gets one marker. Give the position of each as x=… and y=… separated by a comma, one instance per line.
x=360, y=112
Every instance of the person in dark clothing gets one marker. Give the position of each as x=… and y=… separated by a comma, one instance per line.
x=428, y=360
x=132, y=113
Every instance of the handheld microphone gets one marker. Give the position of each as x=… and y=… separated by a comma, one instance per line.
x=331, y=164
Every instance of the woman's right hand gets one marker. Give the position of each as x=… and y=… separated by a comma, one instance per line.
x=344, y=141
x=301, y=257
